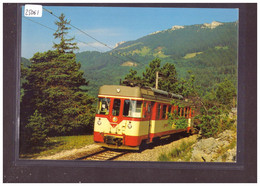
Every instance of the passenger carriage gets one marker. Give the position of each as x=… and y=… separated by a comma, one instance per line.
x=130, y=116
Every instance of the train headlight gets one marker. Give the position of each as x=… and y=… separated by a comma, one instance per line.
x=99, y=122
x=129, y=125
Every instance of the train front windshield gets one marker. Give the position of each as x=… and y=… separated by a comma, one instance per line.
x=103, y=106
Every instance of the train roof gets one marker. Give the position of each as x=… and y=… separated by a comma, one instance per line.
x=137, y=92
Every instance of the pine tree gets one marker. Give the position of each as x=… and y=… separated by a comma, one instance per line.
x=53, y=88
x=34, y=133
x=168, y=81
x=149, y=75
x=65, y=45
x=132, y=75
x=37, y=132
x=168, y=76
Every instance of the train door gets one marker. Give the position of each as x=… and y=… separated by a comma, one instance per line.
x=115, y=116
x=149, y=117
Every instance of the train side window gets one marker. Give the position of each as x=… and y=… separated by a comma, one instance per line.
x=158, y=111
x=132, y=108
x=169, y=109
x=116, y=107
x=126, y=107
x=144, y=110
x=175, y=109
x=149, y=108
x=180, y=111
x=138, y=108
x=164, y=111
x=103, y=106
x=188, y=112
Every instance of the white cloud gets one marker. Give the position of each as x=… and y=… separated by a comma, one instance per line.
x=99, y=37
x=99, y=32
x=92, y=46
x=84, y=43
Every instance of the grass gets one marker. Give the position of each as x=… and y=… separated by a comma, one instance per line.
x=222, y=151
x=129, y=64
x=191, y=55
x=57, y=144
x=183, y=153
x=160, y=54
x=221, y=47
x=143, y=52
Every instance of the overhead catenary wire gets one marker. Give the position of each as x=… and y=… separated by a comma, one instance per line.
x=104, y=44
x=71, y=37
x=55, y=30
x=39, y=23
x=78, y=29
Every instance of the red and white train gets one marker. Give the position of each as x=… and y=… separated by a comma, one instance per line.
x=128, y=117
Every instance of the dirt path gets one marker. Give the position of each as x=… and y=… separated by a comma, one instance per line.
x=70, y=154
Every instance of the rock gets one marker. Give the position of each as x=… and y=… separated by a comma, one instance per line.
x=208, y=149
x=212, y=25
x=227, y=135
x=206, y=145
x=231, y=155
x=233, y=113
x=196, y=156
x=155, y=32
x=234, y=110
x=119, y=43
x=176, y=27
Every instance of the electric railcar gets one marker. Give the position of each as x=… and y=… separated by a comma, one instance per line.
x=128, y=117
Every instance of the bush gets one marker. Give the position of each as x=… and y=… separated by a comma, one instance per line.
x=176, y=121
x=214, y=122
x=225, y=92
x=36, y=131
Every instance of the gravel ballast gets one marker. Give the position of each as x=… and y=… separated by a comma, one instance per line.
x=154, y=153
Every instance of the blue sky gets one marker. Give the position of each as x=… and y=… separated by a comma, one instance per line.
x=111, y=25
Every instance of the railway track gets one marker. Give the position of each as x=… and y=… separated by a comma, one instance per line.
x=103, y=155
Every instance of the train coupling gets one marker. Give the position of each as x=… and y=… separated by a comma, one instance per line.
x=113, y=140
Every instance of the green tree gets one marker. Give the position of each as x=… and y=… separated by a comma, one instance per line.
x=214, y=115
x=53, y=88
x=149, y=75
x=65, y=45
x=167, y=76
x=187, y=87
x=132, y=79
x=132, y=75
x=225, y=92
x=210, y=122
x=168, y=80
x=37, y=131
